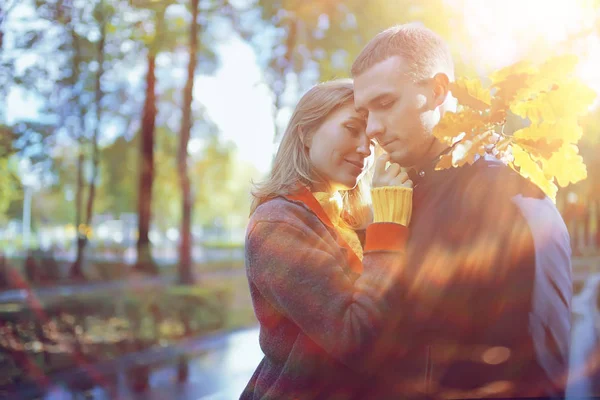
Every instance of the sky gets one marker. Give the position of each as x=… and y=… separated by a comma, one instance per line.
x=503, y=31
x=240, y=104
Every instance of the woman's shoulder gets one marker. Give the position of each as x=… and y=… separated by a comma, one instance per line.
x=284, y=211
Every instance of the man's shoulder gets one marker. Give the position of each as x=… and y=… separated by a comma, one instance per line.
x=531, y=204
x=498, y=179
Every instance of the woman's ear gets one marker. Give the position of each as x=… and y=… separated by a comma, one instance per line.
x=441, y=88
x=305, y=138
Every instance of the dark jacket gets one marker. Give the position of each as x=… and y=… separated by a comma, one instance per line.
x=485, y=292
x=318, y=319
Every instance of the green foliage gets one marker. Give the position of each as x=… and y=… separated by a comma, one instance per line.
x=221, y=185
x=9, y=182
x=9, y=187
x=331, y=33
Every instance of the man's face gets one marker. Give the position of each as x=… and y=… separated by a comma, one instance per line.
x=401, y=113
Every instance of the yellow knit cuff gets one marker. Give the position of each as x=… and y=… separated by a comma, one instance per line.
x=392, y=204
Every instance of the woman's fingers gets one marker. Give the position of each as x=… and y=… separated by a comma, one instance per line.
x=393, y=170
x=394, y=175
x=379, y=168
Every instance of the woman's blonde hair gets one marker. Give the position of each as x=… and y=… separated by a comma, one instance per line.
x=292, y=168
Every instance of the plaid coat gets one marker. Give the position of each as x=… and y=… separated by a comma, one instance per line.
x=318, y=318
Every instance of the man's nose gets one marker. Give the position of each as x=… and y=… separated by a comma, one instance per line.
x=374, y=127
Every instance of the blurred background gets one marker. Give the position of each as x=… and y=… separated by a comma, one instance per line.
x=130, y=132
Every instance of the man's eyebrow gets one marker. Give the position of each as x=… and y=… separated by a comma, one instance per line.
x=362, y=110
x=360, y=121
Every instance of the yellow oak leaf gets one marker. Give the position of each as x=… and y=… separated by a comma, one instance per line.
x=524, y=67
x=557, y=68
x=498, y=111
x=541, y=147
x=531, y=170
x=566, y=165
x=445, y=162
x=555, y=71
x=567, y=101
x=567, y=130
x=454, y=124
x=506, y=90
x=463, y=153
x=470, y=93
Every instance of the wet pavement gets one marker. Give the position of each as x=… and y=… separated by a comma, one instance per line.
x=222, y=372
x=219, y=374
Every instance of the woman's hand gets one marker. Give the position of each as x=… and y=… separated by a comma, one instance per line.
x=394, y=175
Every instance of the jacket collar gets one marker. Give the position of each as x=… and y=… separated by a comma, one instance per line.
x=306, y=197
x=420, y=172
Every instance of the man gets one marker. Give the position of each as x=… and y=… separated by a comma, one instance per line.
x=482, y=305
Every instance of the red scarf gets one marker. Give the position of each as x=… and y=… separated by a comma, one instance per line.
x=306, y=197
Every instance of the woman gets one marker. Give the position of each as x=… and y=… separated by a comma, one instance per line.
x=316, y=294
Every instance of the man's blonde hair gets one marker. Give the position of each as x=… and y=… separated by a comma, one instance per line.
x=292, y=167
x=425, y=52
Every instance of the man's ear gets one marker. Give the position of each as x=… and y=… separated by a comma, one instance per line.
x=441, y=88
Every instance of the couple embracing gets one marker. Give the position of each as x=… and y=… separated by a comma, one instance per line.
x=375, y=276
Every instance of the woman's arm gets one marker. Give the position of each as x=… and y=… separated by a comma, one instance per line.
x=298, y=273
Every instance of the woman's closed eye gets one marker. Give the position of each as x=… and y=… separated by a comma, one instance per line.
x=353, y=129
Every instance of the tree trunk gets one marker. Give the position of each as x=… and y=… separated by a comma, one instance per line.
x=77, y=267
x=5, y=7
x=76, y=271
x=145, y=262
x=2, y=19
x=95, y=152
x=286, y=68
x=186, y=244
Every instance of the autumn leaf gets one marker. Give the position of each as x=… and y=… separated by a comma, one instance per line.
x=549, y=96
x=498, y=112
x=524, y=68
x=459, y=153
x=506, y=91
x=450, y=126
x=445, y=162
x=453, y=124
x=567, y=130
x=566, y=165
x=557, y=68
x=553, y=72
x=540, y=147
x=567, y=101
x=464, y=152
x=531, y=170
x=470, y=93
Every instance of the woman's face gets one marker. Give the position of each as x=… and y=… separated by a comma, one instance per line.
x=340, y=150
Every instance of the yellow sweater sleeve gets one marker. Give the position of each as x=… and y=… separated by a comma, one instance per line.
x=392, y=204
